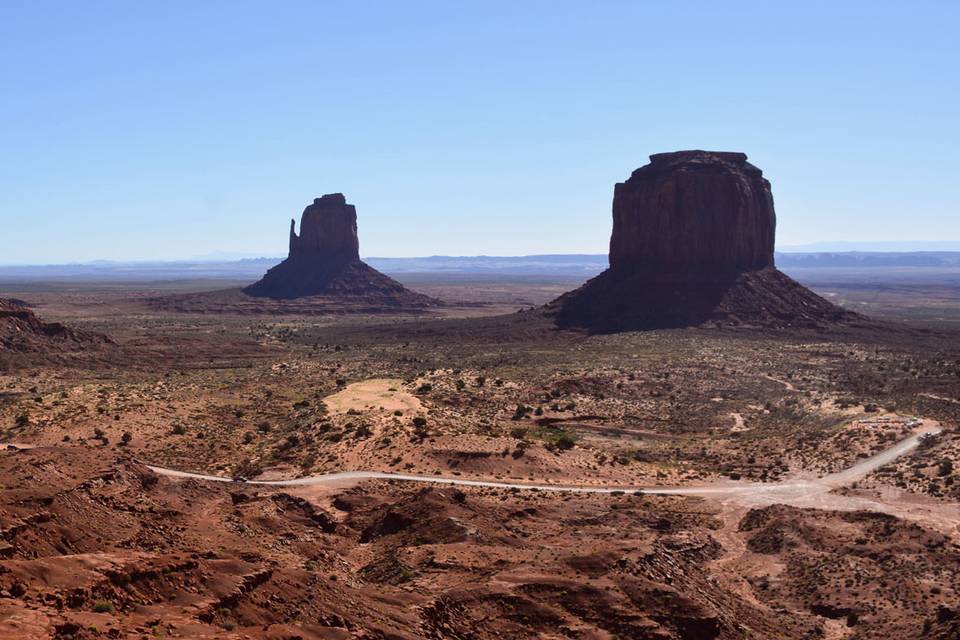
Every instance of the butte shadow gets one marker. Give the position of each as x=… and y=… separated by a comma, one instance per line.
x=322, y=274
x=692, y=244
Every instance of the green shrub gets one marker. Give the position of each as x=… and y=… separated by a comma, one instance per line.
x=103, y=606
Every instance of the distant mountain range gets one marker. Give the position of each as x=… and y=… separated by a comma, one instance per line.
x=885, y=246
x=567, y=265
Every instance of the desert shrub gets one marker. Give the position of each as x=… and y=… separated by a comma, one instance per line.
x=103, y=606
x=363, y=431
x=565, y=441
x=945, y=467
x=557, y=438
x=126, y=438
x=22, y=420
x=521, y=412
x=518, y=432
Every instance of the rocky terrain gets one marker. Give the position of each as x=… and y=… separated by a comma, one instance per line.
x=99, y=546
x=756, y=463
x=692, y=244
x=23, y=336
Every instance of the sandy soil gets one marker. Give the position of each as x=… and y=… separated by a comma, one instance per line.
x=379, y=394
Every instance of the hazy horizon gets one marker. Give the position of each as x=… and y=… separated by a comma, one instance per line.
x=840, y=247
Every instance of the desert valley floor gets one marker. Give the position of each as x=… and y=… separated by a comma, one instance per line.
x=738, y=488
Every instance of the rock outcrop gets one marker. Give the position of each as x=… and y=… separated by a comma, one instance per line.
x=692, y=243
x=324, y=261
x=24, y=338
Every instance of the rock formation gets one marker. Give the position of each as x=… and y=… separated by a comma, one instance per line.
x=327, y=227
x=693, y=210
x=692, y=243
x=24, y=338
x=324, y=261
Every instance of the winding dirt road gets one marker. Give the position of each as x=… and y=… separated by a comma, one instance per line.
x=800, y=492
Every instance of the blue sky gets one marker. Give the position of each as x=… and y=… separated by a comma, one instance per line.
x=136, y=130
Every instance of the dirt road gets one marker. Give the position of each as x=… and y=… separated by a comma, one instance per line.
x=799, y=492
x=815, y=492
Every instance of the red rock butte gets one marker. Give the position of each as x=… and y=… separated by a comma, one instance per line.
x=693, y=210
x=324, y=262
x=327, y=227
x=692, y=243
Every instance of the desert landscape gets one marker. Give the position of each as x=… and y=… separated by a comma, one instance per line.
x=479, y=320
x=691, y=445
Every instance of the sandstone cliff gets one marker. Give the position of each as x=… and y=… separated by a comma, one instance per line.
x=693, y=210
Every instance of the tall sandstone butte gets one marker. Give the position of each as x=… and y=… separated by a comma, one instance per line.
x=692, y=243
x=328, y=227
x=693, y=210
x=324, y=262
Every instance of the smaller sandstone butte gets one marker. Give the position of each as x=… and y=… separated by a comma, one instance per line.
x=692, y=243
x=324, y=260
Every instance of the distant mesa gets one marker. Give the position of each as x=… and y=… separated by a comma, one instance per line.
x=692, y=244
x=324, y=260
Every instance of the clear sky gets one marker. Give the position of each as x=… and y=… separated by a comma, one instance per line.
x=164, y=130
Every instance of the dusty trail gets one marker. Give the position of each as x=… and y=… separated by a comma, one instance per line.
x=799, y=492
x=942, y=398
